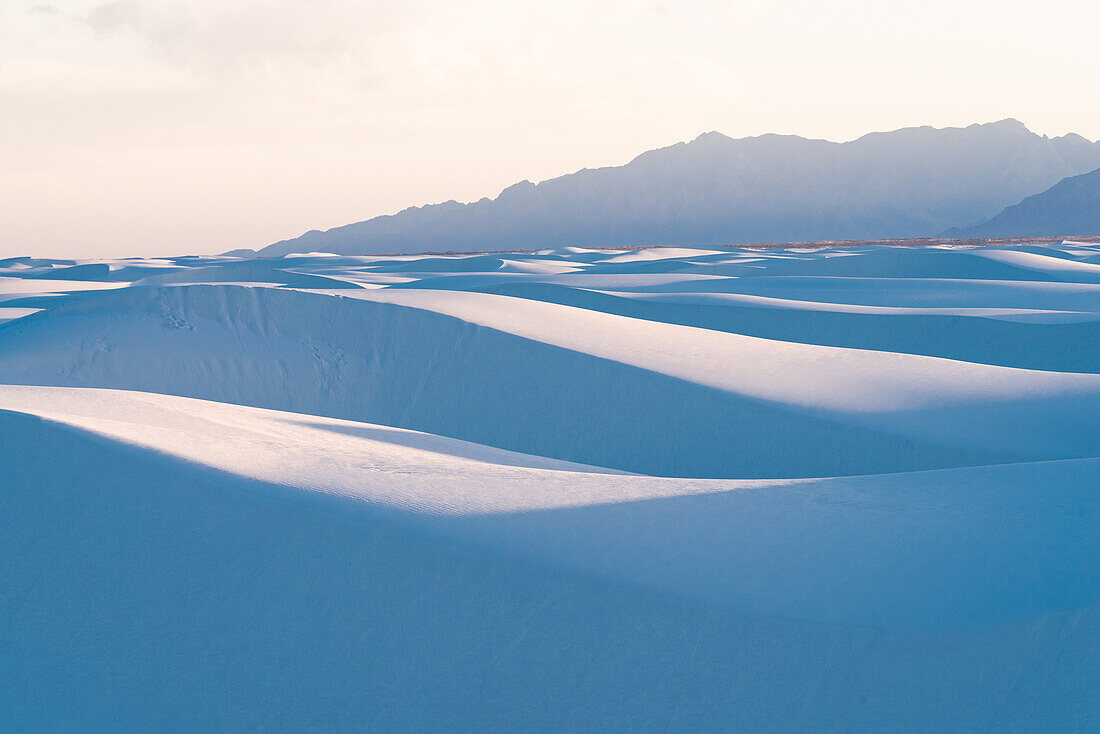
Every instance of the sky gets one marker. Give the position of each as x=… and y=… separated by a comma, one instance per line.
x=156, y=127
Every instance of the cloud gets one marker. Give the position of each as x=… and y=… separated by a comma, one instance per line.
x=215, y=38
x=114, y=16
x=415, y=55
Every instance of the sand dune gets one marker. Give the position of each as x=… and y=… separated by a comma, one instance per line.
x=655, y=490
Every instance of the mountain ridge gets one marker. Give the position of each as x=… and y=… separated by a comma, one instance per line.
x=1069, y=207
x=715, y=189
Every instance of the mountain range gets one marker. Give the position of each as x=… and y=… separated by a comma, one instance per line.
x=912, y=182
x=1070, y=207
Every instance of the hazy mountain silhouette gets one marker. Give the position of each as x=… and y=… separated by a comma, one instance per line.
x=772, y=188
x=1070, y=207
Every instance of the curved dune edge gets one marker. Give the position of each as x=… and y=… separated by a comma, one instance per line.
x=665, y=490
x=778, y=548
x=562, y=382
x=145, y=591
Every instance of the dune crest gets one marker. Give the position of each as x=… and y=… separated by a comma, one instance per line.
x=673, y=489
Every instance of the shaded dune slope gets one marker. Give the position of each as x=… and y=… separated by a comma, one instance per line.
x=187, y=594
x=1008, y=340
x=872, y=502
x=415, y=368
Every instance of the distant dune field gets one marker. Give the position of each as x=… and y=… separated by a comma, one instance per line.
x=837, y=486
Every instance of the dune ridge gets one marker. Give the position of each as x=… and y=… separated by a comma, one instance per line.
x=657, y=490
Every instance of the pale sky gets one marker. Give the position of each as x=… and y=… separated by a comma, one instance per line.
x=155, y=127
